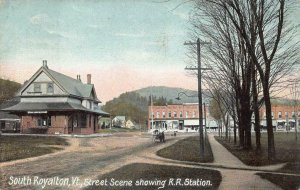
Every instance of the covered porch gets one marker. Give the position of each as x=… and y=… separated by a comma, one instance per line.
x=57, y=118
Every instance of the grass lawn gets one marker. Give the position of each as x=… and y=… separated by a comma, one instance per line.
x=284, y=181
x=19, y=147
x=139, y=176
x=287, y=150
x=187, y=150
x=116, y=130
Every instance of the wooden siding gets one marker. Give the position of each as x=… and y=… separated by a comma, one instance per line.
x=42, y=79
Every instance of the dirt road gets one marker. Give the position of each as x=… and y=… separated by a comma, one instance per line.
x=84, y=158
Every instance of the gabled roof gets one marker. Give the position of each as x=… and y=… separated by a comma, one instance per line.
x=69, y=85
x=6, y=104
x=10, y=102
x=52, y=106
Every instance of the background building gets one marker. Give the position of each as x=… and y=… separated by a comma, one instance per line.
x=178, y=117
x=119, y=121
x=9, y=122
x=185, y=117
x=283, y=115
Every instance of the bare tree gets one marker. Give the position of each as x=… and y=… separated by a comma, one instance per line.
x=231, y=63
x=264, y=39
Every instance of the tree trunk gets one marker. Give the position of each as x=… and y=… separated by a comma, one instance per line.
x=271, y=144
x=245, y=122
x=226, y=126
x=238, y=113
x=256, y=111
x=241, y=133
x=257, y=130
x=234, y=131
x=219, y=130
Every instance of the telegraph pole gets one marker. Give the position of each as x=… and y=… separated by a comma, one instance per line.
x=205, y=121
x=198, y=43
x=295, y=93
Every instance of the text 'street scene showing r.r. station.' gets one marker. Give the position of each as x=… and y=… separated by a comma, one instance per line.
x=151, y=94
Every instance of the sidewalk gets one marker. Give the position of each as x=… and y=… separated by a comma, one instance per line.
x=238, y=179
x=235, y=174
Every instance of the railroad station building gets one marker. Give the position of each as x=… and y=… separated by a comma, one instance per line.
x=53, y=103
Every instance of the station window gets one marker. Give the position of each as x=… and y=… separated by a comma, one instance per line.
x=90, y=120
x=50, y=88
x=37, y=87
x=2, y=124
x=44, y=121
x=83, y=120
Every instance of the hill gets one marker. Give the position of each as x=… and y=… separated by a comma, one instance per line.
x=129, y=104
x=134, y=105
x=171, y=93
x=8, y=89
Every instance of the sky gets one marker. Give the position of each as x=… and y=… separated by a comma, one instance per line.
x=125, y=45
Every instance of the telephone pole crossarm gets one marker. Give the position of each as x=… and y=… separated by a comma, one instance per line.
x=196, y=68
x=195, y=43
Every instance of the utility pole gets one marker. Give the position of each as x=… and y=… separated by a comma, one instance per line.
x=295, y=95
x=198, y=43
x=151, y=104
x=205, y=121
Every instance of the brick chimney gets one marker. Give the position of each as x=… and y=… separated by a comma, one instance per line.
x=45, y=63
x=89, y=79
x=78, y=77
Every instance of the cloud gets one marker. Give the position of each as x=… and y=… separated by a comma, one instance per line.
x=39, y=19
x=131, y=35
x=48, y=25
x=93, y=26
x=181, y=15
x=61, y=34
x=77, y=8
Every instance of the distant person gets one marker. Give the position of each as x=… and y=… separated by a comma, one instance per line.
x=163, y=136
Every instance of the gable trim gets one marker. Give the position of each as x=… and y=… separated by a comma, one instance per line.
x=31, y=80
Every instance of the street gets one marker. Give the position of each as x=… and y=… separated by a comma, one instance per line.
x=84, y=158
x=89, y=158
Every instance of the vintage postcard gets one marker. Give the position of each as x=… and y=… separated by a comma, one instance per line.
x=149, y=94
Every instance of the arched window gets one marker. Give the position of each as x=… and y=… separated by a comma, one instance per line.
x=50, y=88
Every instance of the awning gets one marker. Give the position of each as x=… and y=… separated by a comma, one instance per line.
x=195, y=122
x=51, y=106
x=264, y=123
x=191, y=122
x=281, y=120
